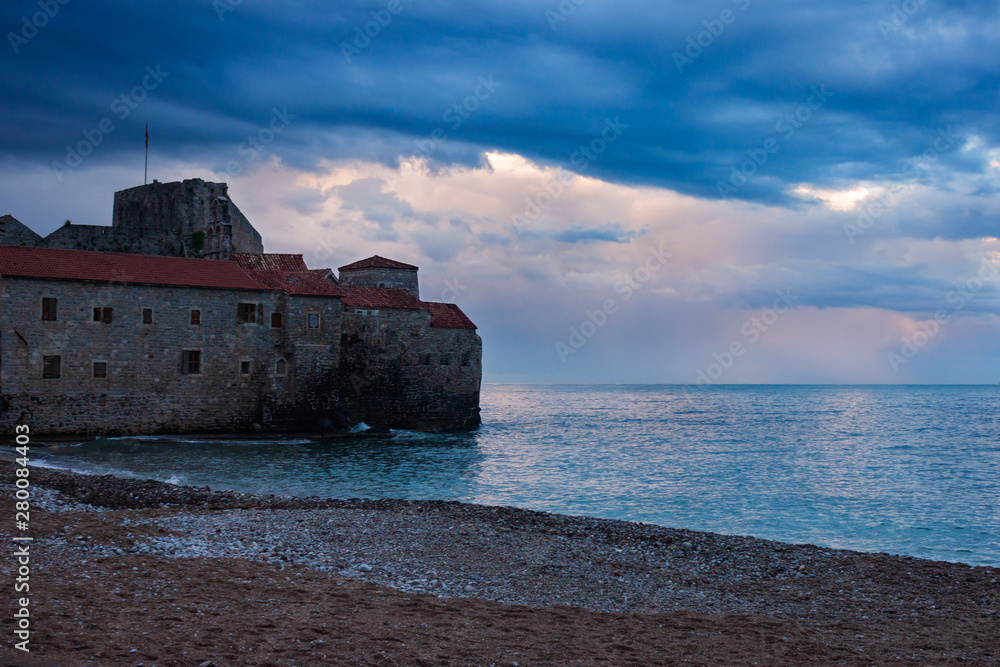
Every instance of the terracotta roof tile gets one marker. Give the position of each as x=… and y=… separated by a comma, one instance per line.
x=55, y=263
x=269, y=262
x=448, y=316
x=443, y=315
x=380, y=297
x=376, y=262
x=302, y=283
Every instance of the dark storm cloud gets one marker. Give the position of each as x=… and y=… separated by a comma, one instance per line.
x=703, y=88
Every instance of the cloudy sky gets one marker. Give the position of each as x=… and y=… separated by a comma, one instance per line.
x=636, y=191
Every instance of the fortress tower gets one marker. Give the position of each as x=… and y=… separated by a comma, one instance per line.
x=380, y=272
x=191, y=218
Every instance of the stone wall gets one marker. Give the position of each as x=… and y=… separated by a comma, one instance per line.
x=401, y=278
x=14, y=232
x=161, y=219
x=399, y=372
x=145, y=391
x=85, y=237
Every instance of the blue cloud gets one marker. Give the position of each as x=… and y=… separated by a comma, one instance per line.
x=892, y=90
x=610, y=233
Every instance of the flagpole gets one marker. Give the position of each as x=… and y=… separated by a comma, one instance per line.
x=145, y=169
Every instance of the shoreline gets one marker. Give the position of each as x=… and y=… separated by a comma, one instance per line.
x=124, y=474
x=417, y=561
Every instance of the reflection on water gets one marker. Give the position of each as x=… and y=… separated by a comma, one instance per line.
x=912, y=470
x=410, y=465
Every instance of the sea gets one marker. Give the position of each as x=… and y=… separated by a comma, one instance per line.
x=911, y=470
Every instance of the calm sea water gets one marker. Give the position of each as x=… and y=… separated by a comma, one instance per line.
x=908, y=470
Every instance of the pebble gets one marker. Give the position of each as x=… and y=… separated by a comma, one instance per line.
x=501, y=554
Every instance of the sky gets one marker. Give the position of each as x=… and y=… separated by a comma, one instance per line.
x=731, y=191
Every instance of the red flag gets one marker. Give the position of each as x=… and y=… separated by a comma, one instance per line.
x=147, y=136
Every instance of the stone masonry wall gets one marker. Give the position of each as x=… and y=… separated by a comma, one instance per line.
x=145, y=391
x=401, y=278
x=159, y=219
x=85, y=237
x=14, y=232
x=399, y=372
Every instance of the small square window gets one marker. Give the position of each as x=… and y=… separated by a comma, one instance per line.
x=313, y=320
x=246, y=313
x=276, y=321
x=244, y=368
x=49, y=309
x=51, y=367
x=147, y=315
x=100, y=369
x=195, y=318
x=105, y=315
x=191, y=362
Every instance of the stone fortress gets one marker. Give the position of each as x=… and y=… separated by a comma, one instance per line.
x=173, y=320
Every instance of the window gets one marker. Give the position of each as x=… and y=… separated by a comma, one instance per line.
x=104, y=315
x=49, y=309
x=467, y=359
x=246, y=313
x=425, y=360
x=147, y=315
x=445, y=359
x=280, y=368
x=244, y=368
x=195, y=318
x=100, y=369
x=276, y=322
x=313, y=320
x=191, y=362
x=51, y=367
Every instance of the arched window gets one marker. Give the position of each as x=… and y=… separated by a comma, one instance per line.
x=280, y=368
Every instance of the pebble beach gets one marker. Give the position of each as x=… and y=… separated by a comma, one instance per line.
x=141, y=572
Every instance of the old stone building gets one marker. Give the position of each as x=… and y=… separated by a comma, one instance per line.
x=115, y=343
x=189, y=218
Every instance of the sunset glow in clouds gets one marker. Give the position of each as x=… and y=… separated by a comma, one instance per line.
x=535, y=174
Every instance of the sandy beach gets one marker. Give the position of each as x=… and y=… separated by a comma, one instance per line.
x=129, y=572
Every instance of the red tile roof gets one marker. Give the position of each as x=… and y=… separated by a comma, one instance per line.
x=269, y=262
x=380, y=297
x=443, y=315
x=448, y=316
x=302, y=283
x=376, y=262
x=53, y=263
x=28, y=262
